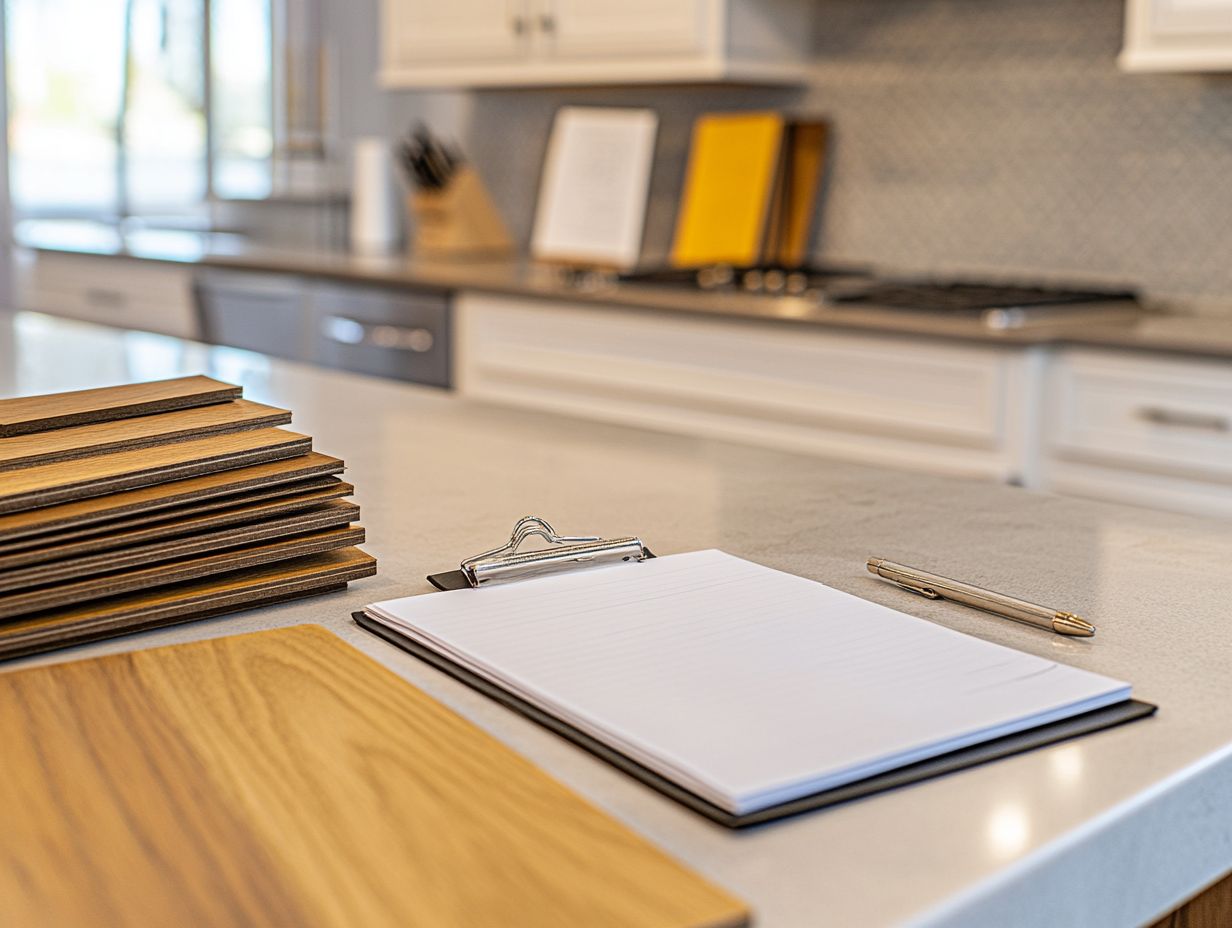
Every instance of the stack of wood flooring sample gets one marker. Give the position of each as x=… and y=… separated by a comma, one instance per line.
x=129, y=507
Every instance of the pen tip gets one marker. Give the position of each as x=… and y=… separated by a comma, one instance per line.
x=873, y=564
x=1066, y=623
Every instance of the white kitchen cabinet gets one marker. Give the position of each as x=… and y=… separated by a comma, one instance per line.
x=1177, y=35
x=927, y=405
x=488, y=43
x=461, y=30
x=634, y=28
x=1140, y=429
x=124, y=292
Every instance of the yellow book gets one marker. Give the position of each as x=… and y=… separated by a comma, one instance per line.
x=799, y=190
x=729, y=188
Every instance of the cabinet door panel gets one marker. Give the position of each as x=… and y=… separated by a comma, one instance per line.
x=1177, y=35
x=575, y=28
x=927, y=406
x=115, y=291
x=1192, y=16
x=424, y=31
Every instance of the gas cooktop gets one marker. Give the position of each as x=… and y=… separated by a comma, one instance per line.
x=997, y=305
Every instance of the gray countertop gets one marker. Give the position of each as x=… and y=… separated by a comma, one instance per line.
x=1112, y=829
x=1203, y=335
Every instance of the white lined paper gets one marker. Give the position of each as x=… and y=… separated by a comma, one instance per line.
x=745, y=685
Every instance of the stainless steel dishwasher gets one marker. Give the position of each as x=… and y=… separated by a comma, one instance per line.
x=398, y=332
x=391, y=333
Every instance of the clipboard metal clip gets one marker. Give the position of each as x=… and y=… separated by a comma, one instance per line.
x=564, y=552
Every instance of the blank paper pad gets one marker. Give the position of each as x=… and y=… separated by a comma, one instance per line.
x=748, y=686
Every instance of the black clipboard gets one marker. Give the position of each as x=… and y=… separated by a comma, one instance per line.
x=569, y=552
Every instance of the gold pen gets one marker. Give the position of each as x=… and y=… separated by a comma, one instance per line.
x=935, y=587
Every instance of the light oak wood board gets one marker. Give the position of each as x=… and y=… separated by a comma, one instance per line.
x=169, y=499
x=283, y=778
x=48, y=484
x=193, y=568
x=25, y=414
x=82, y=441
x=312, y=575
x=92, y=539
x=330, y=515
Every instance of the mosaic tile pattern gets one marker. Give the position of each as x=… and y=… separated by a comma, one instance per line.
x=978, y=136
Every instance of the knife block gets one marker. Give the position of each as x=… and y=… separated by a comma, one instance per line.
x=459, y=220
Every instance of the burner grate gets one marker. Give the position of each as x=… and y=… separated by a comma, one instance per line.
x=967, y=297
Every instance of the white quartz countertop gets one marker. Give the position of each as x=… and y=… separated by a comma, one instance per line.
x=1113, y=829
x=1173, y=332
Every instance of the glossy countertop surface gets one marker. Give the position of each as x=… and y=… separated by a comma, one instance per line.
x=1180, y=333
x=1112, y=829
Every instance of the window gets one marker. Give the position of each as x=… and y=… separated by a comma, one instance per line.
x=115, y=110
x=241, y=98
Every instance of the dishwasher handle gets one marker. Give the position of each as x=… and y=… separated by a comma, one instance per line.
x=346, y=331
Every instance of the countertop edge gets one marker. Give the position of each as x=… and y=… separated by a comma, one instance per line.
x=1183, y=335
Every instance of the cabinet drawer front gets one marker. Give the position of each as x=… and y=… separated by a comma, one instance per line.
x=113, y=291
x=763, y=376
x=1142, y=413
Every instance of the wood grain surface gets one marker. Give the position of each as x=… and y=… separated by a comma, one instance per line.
x=161, y=500
x=283, y=778
x=124, y=533
x=185, y=602
x=82, y=441
x=1211, y=908
x=193, y=568
x=26, y=414
x=48, y=484
x=329, y=515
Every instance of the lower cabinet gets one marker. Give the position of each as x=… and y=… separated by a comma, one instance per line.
x=126, y=292
x=938, y=406
x=1133, y=427
x=1140, y=429
x=403, y=333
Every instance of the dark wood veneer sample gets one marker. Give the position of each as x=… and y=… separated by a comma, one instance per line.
x=25, y=414
x=64, y=569
x=82, y=441
x=64, y=481
x=193, y=568
x=184, y=602
x=267, y=503
x=164, y=500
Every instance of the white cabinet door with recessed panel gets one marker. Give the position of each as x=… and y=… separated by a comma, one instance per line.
x=1178, y=35
x=128, y=293
x=1139, y=428
x=524, y=43
x=953, y=408
x=417, y=32
x=580, y=28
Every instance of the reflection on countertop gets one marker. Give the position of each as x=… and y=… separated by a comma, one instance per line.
x=1173, y=332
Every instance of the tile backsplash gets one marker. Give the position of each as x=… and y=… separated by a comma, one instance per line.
x=975, y=136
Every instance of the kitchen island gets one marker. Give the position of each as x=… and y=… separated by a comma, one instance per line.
x=1117, y=828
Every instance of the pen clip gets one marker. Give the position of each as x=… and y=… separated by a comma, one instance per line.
x=926, y=591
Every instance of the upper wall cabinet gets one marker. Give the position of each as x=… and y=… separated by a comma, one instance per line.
x=1178, y=35
x=512, y=43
